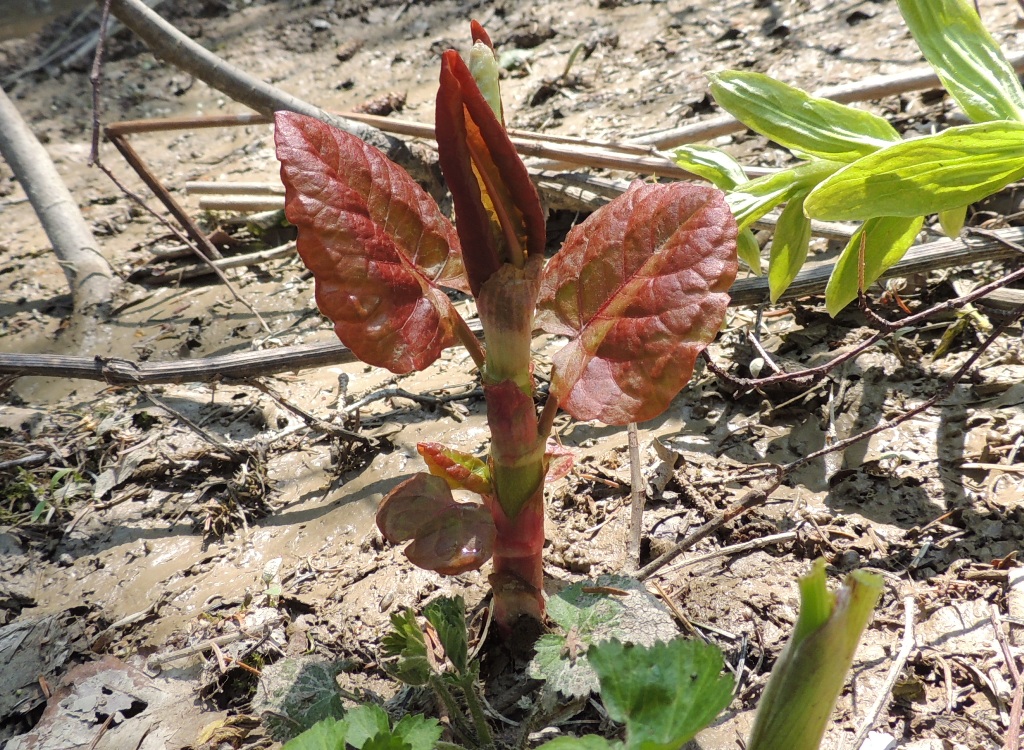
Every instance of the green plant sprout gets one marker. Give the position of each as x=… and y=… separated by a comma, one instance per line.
x=637, y=290
x=855, y=166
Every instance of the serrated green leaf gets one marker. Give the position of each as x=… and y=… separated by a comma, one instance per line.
x=711, y=163
x=970, y=64
x=296, y=692
x=418, y=732
x=789, y=247
x=590, y=618
x=799, y=121
x=328, y=734
x=586, y=742
x=938, y=172
x=886, y=240
x=952, y=220
x=366, y=722
x=752, y=200
x=405, y=643
x=384, y=741
x=664, y=694
x=749, y=251
x=448, y=616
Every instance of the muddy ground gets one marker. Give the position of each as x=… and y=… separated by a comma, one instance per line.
x=135, y=535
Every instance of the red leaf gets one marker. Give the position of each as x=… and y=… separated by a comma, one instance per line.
x=476, y=155
x=454, y=541
x=460, y=470
x=479, y=34
x=377, y=244
x=640, y=289
x=447, y=536
x=559, y=461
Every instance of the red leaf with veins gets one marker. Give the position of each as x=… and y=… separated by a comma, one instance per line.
x=461, y=471
x=640, y=289
x=377, y=244
x=447, y=537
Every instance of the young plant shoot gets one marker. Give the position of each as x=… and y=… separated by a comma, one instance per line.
x=638, y=290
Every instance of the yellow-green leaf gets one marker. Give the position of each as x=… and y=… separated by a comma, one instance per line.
x=749, y=251
x=935, y=173
x=799, y=121
x=711, y=163
x=885, y=240
x=969, y=62
x=952, y=220
x=789, y=247
x=752, y=200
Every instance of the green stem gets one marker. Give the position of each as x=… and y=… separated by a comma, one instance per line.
x=476, y=711
x=454, y=712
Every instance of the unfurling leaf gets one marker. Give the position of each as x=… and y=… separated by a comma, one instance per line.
x=970, y=64
x=448, y=616
x=377, y=244
x=936, y=173
x=447, y=537
x=800, y=122
x=789, y=247
x=809, y=674
x=881, y=242
x=640, y=288
x=497, y=208
x=461, y=471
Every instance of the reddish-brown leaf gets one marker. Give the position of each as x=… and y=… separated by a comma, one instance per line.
x=377, y=244
x=447, y=536
x=640, y=289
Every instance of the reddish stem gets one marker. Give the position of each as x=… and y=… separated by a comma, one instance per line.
x=518, y=577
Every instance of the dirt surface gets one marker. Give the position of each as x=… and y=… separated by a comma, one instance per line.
x=136, y=535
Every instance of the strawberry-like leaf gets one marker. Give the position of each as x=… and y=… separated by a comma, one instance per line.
x=461, y=471
x=377, y=244
x=447, y=537
x=640, y=289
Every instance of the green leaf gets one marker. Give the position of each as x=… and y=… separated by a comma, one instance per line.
x=935, y=173
x=365, y=722
x=711, y=163
x=586, y=742
x=799, y=121
x=295, y=693
x=886, y=240
x=328, y=734
x=752, y=200
x=749, y=251
x=789, y=247
x=590, y=618
x=809, y=675
x=970, y=64
x=405, y=643
x=384, y=741
x=664, y=694
x=448, y=616
x=952, y=220
x=418, y=732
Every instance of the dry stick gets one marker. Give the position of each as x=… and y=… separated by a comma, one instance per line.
x=95, y=79
x=638, y=496
x=205, y=269
x=168, y=43
x=730, y=550
x=894, y=672
x=754, y=290
x=866, y=89
x=1017, y=704
x=212, y=439
x=89, y=276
